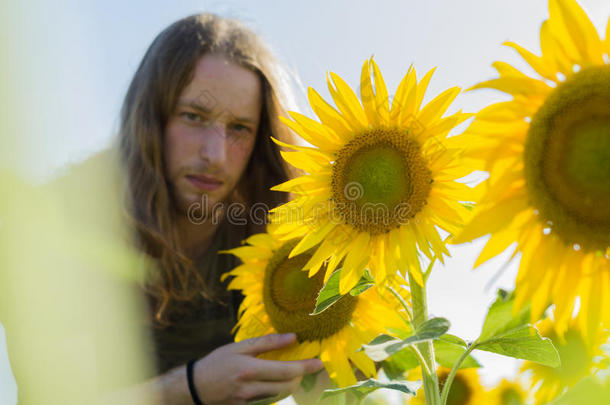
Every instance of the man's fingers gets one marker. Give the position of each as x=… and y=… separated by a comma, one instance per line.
x=265, y=343
x=275, y=370
x=257, y=390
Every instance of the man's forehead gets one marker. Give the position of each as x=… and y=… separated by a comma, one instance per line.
x=240, y=97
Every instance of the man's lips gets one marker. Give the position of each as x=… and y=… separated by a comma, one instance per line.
x=202, y=182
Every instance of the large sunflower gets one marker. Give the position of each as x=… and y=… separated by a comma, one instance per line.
x=548, y=154
x=466, y=388
x=579, y=359
x=507, y=393
x=279, y=298
x=379, y=180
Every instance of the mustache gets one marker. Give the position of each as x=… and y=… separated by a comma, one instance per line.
x=204, y=171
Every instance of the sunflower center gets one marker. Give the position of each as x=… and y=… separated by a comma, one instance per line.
x=567, y=159
x=511, y=396
x=460, y=391
x=289, y=296
x=380, y=180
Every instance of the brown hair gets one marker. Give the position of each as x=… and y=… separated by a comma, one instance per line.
x=166, y=69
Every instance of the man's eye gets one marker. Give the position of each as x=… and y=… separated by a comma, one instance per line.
x=241, y=128
x=191, y=116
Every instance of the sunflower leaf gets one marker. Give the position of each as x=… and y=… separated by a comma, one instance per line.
x=383, y=346
x=508, y=333
x=364, y=284
x=448, y=349
x=522, y=343
x=397, y=364
x=363, y=388
x=309, y=381
x=589, y=390
x=500, y=316
x=329, y=293
x=454, y=340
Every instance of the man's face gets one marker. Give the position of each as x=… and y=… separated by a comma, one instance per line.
x=210, y=136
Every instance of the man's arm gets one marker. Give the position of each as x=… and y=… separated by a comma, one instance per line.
x=230, y=374
x=168, y=388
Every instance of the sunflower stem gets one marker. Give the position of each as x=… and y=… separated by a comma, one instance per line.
x=456, y=367
x=420, y=314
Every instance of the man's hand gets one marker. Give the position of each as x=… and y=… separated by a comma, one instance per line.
x=233, y=375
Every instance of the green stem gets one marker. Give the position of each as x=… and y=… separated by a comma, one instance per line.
x=420, y=314
x=456, y=367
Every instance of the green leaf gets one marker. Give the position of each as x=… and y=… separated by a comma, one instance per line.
x=329, y=293
x=363, y=388
x=588, y=391
x=448, y=349
x=523, y=343
x=397, y=364
x=384, y=346
x=512, y=335
x=454, y=340
x=309, y=381
x=500, y=318
x=364, y=284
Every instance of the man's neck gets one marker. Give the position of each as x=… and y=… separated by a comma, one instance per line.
x=196, y=237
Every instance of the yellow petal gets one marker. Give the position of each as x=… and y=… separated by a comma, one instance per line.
x=313, y=132
x=407, y=99
x=498, y=243
x=249, y=252
x=492, y=219
x=398, y=102
x=336, y=363
x=536, y=62
x=552, y=51
x=347, y=101
x=328, y=115
x=382, y=101
x=582, y=35
x=263, y=240
x=364, y=363
x=306, y=160
x=516, y=86
x=421, y=89
x=312, y=239
x=438, y=106
x=367, y=95
x=353, y=269
x=505, y=111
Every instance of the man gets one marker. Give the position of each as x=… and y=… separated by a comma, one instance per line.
x=195, y=135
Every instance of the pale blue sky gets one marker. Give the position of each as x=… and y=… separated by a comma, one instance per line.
x=71, y=61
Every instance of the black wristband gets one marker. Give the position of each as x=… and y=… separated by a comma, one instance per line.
x=191, y=383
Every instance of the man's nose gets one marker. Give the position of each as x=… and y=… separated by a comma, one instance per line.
x=213, y=143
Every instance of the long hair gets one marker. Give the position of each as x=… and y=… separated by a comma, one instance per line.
x=166, y=69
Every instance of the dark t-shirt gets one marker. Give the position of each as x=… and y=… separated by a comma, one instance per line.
x=199, y=326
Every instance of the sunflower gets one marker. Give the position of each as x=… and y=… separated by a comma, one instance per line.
x=466, y=388
x=507, y=393
x=379, y=181
x=279, y=298
x=579, y=358
x=548, y=154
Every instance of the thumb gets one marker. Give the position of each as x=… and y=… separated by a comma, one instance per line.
x=265, y=343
